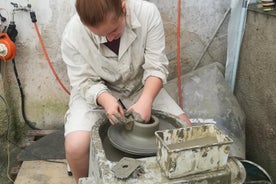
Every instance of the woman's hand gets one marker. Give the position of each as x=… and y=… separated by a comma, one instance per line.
x=143, y=106
x=114, y=111
x=143, y=109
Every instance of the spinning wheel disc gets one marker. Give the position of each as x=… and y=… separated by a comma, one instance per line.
x=138, y=141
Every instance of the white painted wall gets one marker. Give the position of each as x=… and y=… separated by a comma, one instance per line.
x=45, y=101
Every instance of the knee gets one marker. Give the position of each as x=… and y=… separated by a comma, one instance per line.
x=77, y=144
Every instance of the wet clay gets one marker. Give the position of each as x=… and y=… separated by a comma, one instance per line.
x=194, y=142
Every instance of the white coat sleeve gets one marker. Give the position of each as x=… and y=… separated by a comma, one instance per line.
x=156, y=62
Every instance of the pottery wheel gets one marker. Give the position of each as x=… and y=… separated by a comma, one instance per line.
x=139, y=141
x=125, y=142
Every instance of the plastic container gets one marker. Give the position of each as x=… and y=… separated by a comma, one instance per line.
x=185, y=151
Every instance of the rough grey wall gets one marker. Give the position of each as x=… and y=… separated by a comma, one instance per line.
x=200, y=20
x=256, y=88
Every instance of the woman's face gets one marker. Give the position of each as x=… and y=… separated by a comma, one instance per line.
x=112, y=28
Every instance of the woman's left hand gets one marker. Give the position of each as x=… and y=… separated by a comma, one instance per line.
x=143, y=109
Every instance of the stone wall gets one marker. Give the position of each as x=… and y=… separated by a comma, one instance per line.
x=256, y=87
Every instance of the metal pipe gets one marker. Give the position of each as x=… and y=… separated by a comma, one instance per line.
x=231, y=78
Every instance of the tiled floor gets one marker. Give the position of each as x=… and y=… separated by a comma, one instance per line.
x=43, y=172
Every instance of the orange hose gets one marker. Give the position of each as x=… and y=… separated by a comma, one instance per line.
x=48, y=60
x=178, y=56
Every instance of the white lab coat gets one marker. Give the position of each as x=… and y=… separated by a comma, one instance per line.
x=93, y=68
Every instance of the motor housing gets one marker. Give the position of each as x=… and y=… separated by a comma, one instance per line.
x=7, y=47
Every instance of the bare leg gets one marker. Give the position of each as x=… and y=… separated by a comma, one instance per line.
x=186, y=119
x=77, y=153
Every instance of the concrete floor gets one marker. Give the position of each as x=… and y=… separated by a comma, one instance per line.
x=44, y=172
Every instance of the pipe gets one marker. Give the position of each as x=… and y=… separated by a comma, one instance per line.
x=178, y=56
x=48, y=60
x=34, y=20
x=230, y=76
x=29, y=123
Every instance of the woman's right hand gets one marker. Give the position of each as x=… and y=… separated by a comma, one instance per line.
x=114, y=111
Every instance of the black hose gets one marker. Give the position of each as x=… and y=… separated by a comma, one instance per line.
x=29, y=123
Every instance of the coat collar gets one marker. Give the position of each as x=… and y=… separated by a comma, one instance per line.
x=129, y=35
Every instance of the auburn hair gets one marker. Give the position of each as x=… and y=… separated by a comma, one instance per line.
x=93, y=12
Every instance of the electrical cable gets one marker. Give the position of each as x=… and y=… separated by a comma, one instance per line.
x=12, y=36
x=12, y=33
x=9, y=141
x=33, y=17
x=29, y=123
x=7, y=137
x=178, y=56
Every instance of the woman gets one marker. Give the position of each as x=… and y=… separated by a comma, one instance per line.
x=113, y=49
